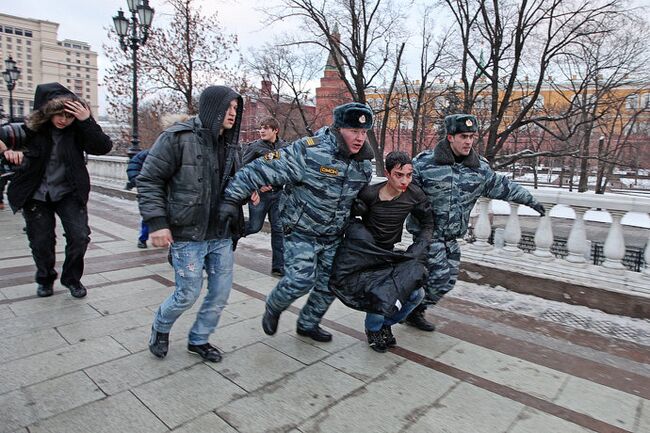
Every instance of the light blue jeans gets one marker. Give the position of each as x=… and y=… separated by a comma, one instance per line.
x=189, y=259
x=374, y=322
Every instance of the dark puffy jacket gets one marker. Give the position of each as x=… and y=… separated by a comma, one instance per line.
x=372, y=279
x=134, y=167
x=174, y=188
x=81, y=136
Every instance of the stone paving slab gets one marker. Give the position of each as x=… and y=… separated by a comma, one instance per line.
x=255, y=366
x=600, y=402
x=27, y=405
x=533, y=421
x=519, y=374
x=125, y=373
x=187, y=394
x=288, y=402
x=119, y=413
x=47, y=365
x=461, y=408
x=56, y=317
x=21, y=346
x=411, y=388
x=208, y=423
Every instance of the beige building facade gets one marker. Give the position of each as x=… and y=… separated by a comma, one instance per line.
x=42, y=58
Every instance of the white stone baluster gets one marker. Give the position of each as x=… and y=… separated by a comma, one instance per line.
x=512, y=233
x=482, y=229
x=577, y=242
x=544, y=235
x=614, y=249
x=646, y=257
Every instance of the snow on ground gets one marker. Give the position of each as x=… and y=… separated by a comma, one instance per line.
x=575, y=316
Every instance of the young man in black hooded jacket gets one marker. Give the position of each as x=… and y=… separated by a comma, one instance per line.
x=53, y=179
x=179, y=190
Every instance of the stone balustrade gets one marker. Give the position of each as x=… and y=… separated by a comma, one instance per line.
x=575, y=267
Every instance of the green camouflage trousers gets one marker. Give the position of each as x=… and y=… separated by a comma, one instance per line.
x=443, y=261
x=307, y=267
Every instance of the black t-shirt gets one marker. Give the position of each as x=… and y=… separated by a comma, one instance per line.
x=385, y=219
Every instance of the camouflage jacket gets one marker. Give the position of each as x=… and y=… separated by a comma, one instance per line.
x=321, y=181
x=453, y=188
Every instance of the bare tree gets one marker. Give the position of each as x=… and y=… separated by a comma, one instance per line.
x=180, y=58
x=421, y=96
x=288, y=70
x=370, y=31
x=502, y=41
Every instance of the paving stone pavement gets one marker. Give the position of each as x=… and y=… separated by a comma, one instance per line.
x=82, y=365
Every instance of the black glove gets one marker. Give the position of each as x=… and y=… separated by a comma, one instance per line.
x=539, y=208
x=227, y=218
x=359, y=207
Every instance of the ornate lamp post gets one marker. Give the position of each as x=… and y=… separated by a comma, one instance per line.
x=10, y=75
x=134, y=33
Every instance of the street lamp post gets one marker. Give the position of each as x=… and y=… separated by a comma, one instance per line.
x=134, y=33
x=10, y=75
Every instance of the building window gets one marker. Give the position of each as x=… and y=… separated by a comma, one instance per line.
x=28, y=33
x=28, y=43
x=9, y=30
x=19, y=41
x=631, y=102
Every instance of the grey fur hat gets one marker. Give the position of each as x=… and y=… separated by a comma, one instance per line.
x=457, y=123
x=353, y=115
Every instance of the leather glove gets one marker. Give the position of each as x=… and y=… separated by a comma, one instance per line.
x=227, y=217
x=539, y=208
x=359, y=207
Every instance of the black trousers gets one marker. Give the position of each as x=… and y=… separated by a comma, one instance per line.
x=39, y=217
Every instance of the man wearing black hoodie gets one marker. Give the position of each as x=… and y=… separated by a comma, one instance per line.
x=179, y=190
x=53, y=179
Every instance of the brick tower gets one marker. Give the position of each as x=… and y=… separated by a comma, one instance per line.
x=332, y=90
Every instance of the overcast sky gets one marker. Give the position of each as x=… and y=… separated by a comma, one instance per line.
x=87, y=21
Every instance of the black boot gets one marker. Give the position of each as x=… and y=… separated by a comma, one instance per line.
x=317, y=334
x=417, y=320
x=388, y=336
x=44, y=290
x=376, y=341
x=158, y=343
x=270, y=321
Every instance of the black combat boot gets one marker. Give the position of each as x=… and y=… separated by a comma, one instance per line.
x=417, y=320
x=270, y=321
x=317, y=334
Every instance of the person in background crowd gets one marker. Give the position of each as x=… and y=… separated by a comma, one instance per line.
x=52, y=179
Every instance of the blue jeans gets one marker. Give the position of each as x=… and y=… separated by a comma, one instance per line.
x=374, y=322
x=144, y=232
x=269, y=204
x=189, y=260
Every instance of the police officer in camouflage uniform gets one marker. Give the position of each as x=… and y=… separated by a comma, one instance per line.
x=454, y=176
x=322, y=175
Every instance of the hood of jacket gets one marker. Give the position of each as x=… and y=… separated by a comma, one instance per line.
x=443, y=155
x=213, y=103
x=47, y=92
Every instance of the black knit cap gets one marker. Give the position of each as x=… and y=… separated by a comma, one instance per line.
x=457, y=123
x=213, y=104
x=353, y=115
